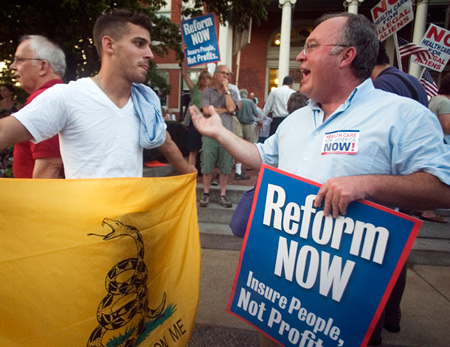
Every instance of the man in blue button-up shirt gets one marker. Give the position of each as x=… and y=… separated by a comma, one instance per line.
x=360, y=142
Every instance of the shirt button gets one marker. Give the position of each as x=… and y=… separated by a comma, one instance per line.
x=305, y=159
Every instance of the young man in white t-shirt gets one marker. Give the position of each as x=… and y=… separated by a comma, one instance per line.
x=98, y=118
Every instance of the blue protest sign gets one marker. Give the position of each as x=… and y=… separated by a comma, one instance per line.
x=199, y=35
x=308, y=280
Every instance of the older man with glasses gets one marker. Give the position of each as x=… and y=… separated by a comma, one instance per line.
x=38, y=65
x=223, y=101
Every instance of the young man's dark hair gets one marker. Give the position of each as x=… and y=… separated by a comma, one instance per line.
x=114, y=24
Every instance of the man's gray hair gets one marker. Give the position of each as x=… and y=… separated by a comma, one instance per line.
x=220, y=65
x=45, y=49
x=243, y=93
x=358, y=32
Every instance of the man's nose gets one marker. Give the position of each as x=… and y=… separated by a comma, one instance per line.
x=149, y=54
x=301, y=56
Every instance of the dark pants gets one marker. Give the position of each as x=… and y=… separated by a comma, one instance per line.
x=275, y=123
x=391, y=314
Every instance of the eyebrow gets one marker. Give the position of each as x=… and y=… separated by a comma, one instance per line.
x=139, y=38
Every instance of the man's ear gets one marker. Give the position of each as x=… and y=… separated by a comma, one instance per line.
x=347, y=56
x=108, y=45
x=44, y=67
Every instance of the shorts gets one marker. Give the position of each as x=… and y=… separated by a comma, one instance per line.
x=212, y=152
x=245, y=131
x=194, y=138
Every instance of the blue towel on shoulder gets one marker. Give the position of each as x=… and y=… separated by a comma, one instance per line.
x=152, y=129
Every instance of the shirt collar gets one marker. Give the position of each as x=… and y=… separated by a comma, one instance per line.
x=359, y=92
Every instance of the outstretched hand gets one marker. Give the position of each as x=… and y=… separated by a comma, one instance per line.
x=206, y=126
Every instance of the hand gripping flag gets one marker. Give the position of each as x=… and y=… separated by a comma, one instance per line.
x=99, y=262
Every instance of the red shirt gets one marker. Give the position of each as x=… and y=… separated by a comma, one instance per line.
x=25, y=153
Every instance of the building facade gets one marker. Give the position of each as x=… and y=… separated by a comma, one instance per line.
x=273, y=46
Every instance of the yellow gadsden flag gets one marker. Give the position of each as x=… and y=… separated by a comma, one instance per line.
x=99, y=262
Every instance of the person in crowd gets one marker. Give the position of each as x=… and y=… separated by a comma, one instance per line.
x=168, y=116
x=38, y=65
x=223, y=101
x=277, y=104
x=393, y=166
x=296, y=101
x=390, y=79
x=264, y=128
x=105, y=121
x=239, y=173
x=235, y=88
x=8, y=105
x=253, y=97
x=245, y=127
x=440, y=106
x=194, y=138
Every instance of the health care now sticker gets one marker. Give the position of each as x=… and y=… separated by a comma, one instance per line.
x=341, y=142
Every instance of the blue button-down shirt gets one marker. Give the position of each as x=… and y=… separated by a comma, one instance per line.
x=373, y=132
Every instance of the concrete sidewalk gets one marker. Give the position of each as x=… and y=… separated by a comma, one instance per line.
x=425, y=306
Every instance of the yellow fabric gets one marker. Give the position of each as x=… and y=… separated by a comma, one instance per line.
x=55, y=259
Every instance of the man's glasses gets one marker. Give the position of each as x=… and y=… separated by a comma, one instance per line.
x=225, y=73
x=18, y=60
x=310, y=46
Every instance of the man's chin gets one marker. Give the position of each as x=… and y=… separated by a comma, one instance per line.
x=139, y=79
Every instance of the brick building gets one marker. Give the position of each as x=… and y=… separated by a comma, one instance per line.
x=260, y=59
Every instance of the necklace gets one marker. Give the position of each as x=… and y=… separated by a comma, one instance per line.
x=99, y=84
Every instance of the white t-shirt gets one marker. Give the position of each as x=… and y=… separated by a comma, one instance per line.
x=97, y=139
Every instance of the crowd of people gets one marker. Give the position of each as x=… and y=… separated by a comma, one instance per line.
x=90, y=125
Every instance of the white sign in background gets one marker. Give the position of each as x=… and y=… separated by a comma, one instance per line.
x=437, y=41
x=389, y=16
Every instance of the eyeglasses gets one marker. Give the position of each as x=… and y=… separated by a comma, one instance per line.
x=18, y=60
x=308, y=47
x=225, y=73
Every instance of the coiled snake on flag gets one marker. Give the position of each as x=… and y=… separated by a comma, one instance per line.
x=111, y=314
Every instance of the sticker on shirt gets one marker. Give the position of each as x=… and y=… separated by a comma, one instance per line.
x=341, y=142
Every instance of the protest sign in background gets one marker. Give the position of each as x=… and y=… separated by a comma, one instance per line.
x=98, y=262
x=437, y=41
x=389, y=16
x=199, y=36
x=309, y=280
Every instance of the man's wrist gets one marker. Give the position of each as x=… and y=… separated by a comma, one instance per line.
x=227, y=92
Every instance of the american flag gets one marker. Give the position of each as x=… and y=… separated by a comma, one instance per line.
x=406, y=49
x=428, y=83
